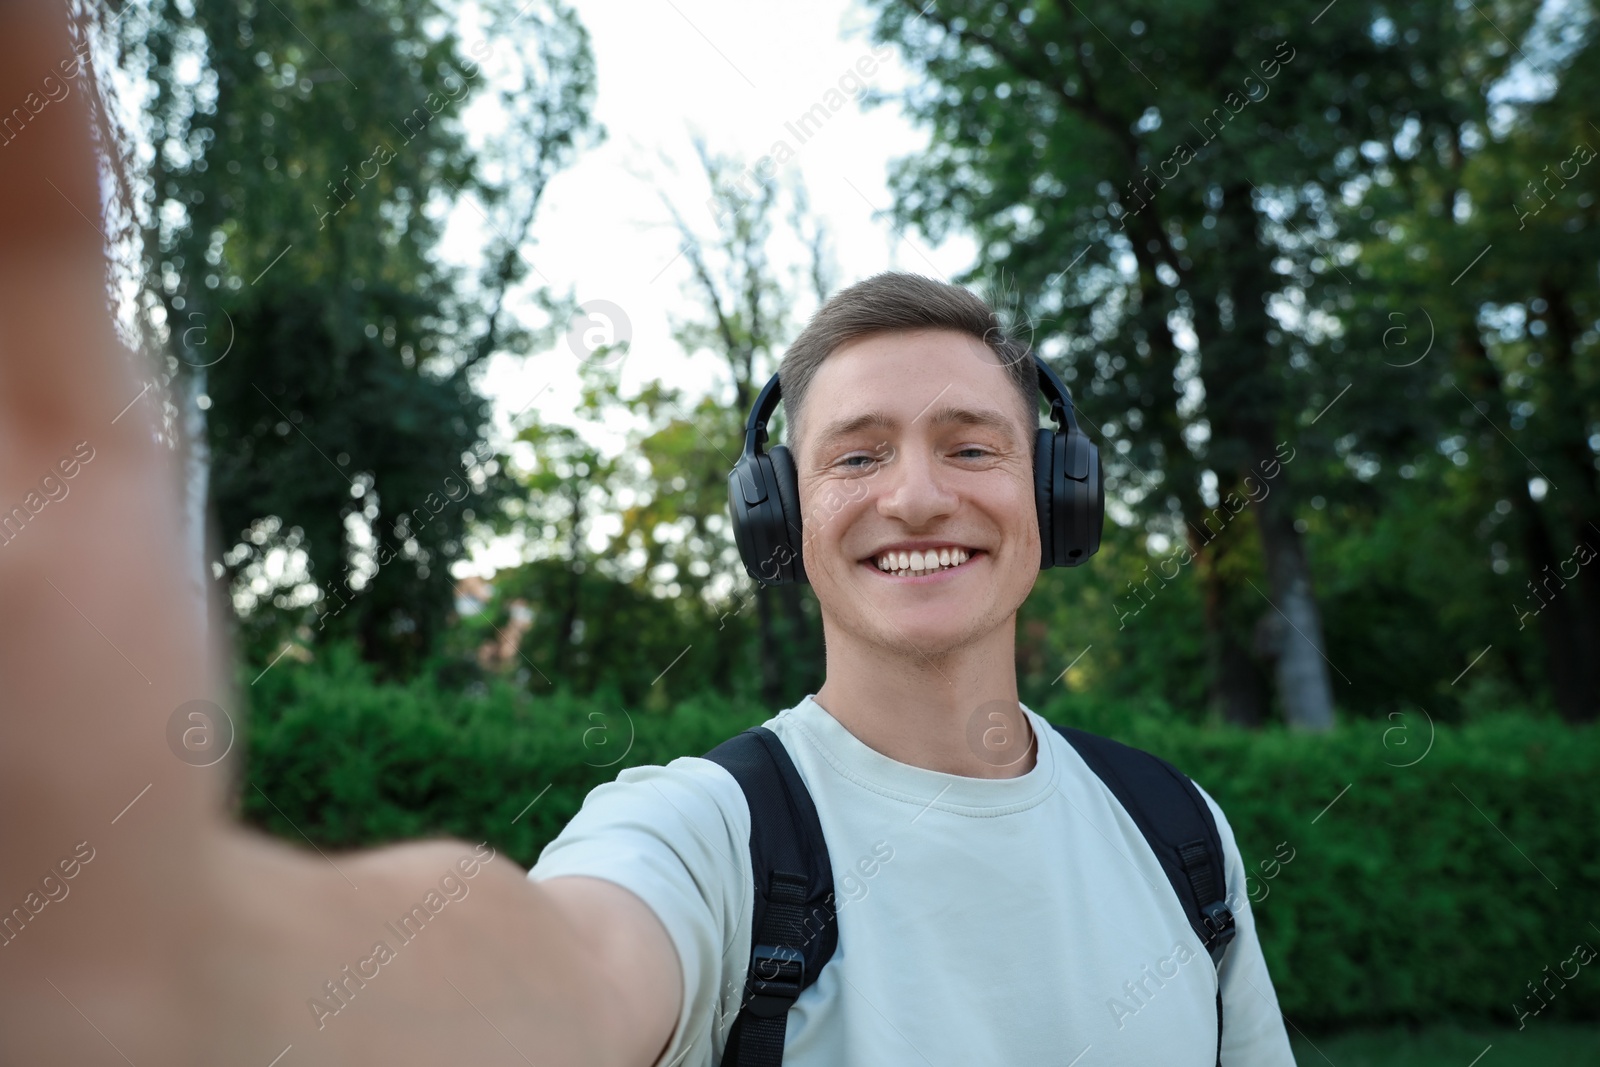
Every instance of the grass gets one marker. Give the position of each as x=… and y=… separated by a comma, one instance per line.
x=1447, y=1045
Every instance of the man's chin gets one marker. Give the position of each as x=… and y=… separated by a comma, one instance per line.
x=921, y=638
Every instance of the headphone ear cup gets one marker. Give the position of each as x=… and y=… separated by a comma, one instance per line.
x=1069, y=496
x=1096, y=510
x=758, y=520
x=746, y=498
x=1044, y=457
x=764, y=504
x=1083, y=500
x=786, y=487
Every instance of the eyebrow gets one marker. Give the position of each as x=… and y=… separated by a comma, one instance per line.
x=945, y=415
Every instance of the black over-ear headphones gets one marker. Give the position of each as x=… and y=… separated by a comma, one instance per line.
x=1069, y=491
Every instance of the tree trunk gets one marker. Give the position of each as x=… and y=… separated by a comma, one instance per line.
x=1244, y=395
x=1236, y=685
x=1568, y=422
x=1304, y=685
x=566, y=655
x=1572, y=674
x=1234, y=682
x=197, y=490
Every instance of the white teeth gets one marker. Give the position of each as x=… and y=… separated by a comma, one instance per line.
x=917, y=563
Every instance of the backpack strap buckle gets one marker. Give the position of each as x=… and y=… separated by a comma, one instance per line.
x=777, y=974
x=1220, y=925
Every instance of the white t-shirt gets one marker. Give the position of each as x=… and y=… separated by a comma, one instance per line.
x=981, y=921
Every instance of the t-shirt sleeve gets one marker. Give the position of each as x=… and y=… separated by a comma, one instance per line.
x=1253, y=1033
x=678, y=838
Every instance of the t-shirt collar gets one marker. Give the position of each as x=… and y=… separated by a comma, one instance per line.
x=855, y=760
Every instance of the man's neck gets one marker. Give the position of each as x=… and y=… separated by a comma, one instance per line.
x=957, y=714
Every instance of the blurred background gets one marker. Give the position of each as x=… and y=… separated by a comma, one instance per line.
x=454, y=310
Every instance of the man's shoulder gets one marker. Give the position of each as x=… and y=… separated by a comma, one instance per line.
x=690, y=789
x=688, y=778
x=690, y=799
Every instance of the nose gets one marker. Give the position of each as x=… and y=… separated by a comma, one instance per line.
x=916, y=493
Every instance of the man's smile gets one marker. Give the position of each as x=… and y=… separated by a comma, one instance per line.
x=908, y=561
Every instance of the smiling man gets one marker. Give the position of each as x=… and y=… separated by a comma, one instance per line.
x=1004, y=905
x=906, y=867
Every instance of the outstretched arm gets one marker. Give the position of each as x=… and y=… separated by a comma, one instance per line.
x=178, y=938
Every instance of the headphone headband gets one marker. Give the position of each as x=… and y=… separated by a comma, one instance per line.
x=755, y=427
x=1055, y=391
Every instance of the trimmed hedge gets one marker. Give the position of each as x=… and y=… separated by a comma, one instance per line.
x=1430, y=891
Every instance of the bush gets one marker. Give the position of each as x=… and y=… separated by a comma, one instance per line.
x=348, y=762
x=1436, y=890
x=1414, y=892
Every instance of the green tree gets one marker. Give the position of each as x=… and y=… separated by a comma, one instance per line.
x=1480, y=223
x=618, y=551
x=1166, y=190
x=302, y=157
x=631, y=565
x=743, y=303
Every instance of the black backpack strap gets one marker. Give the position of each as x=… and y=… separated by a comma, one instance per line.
x=793, y=930
x=1176, y=821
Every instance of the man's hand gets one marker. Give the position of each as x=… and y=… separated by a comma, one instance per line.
x=178, y=938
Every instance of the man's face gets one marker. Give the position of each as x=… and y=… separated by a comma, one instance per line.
x=909, y=443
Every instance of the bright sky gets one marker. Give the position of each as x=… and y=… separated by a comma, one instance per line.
x=734, y=74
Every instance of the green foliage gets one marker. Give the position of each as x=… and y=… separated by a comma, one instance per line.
x=1303, y=197
x=665, y=589
x=1449, y=1045
x=1413, y=892
x=611, y=620
x=1423, y=891
x=350, y=761
x=292, y=211
x=642, y=650
x=1124, y=645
